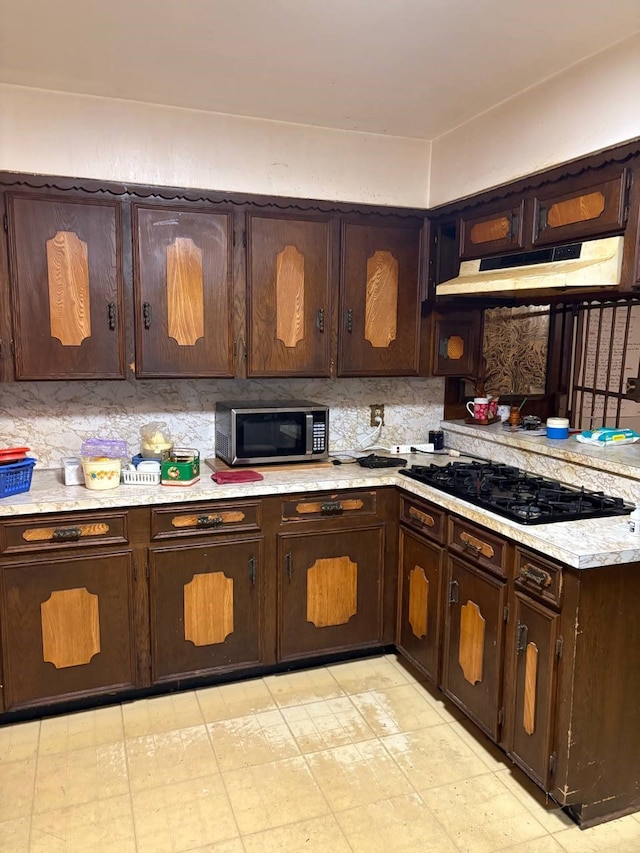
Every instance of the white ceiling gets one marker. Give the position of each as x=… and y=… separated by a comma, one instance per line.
x=413, y=68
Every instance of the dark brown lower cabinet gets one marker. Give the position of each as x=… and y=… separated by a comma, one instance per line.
x=67, y=628
x=474, y=643
x=330, y=591
x=419, y=607
x=205, y=607
x=531, y=712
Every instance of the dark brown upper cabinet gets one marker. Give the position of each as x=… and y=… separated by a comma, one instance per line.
x=585, y=212
x=379, y=327
x=456, y=338
x=66, y=283
x=182, y=262
x=493, y=233
x=289, y=295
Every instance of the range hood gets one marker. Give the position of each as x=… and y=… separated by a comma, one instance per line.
x=592, y=263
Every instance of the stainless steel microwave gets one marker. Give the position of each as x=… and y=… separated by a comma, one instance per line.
x=259, y=432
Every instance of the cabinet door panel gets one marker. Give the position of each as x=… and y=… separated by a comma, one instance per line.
x=330, y=590
x=67, y=628
x=380, y=303
x=533, y=701
x=205, y=607
x=490, y=234
x=182, y=275
x=474, y=633
x=67, y=288
x=419, y=608
x=289, y=296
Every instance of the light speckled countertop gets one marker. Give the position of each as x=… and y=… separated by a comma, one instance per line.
x=582, y=544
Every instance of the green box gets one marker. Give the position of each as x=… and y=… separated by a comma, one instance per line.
x=182, y=468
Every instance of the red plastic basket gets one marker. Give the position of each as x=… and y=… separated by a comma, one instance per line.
x=16, y=477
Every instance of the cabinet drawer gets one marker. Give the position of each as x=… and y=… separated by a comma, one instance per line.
x=478, y=545
x=63, y=531
x=204, y=519
x=538, y=577
x=312, y=507
x=424, y=517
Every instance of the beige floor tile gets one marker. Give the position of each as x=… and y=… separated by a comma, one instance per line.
x=17, y=788
x=545, y=844
x=19, y=741
x=494, y=758
x=400, y=824
x=434, y=756
x=81, y=776
x=80, y=730
x=270, y=795
x=396, y=709
x=616, y=836
x=234, y=845
x=254, y=739
x=357, y=774
x=226, y=701
x=319, y=835
x=535, y=800
x=359, y=676
x=98, y=826
x=298, y=688
x=14, y=834
x=323, y=725
x=183, y=816
x=161, y=714
x=170, y=757
x=481, y=815
x=444, y=706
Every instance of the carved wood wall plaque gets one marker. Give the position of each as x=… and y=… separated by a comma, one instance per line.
x=68, y=277
x=381, y=308
x=70, y=627
x=530, y=679
x=208, y=609
x=332, y=591
x=290, y=296
x=185, y=292
x=471, y=648
x=418, y=601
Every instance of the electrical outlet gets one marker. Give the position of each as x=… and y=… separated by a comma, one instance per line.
x=377, y=411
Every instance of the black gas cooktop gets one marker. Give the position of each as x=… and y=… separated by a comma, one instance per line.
x=515, y=494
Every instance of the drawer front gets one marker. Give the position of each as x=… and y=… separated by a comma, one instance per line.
x=424, y=517
x=479, y=546
x=312, y=507
x=538, y=577
x=63, y=531
x=204, y=519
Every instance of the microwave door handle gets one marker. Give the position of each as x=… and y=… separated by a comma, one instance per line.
x=309, y=443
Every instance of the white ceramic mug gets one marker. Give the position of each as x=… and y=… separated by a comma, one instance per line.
x=479, y=408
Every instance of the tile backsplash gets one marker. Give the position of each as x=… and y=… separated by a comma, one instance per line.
x=54, y=418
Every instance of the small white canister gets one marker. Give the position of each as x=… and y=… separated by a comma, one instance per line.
x=557, y=427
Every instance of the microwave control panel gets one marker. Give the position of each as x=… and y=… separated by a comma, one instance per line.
x=319, y=433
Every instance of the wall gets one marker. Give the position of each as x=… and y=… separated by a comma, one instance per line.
x=53, y=418
x=590, y=106
x=65, y=134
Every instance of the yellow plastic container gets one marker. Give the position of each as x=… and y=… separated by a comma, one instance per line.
x=101, y=472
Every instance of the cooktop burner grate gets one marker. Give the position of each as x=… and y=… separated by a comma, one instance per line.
x=516, y=494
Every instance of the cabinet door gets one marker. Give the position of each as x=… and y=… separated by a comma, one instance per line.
x=456, y=340
x=289, y=285
x=533, y=662
x=380, y=301
x=474, y=640
x=330, y=591
x=205, y=607
x=586, y=212
x=419, y=601
x=182, y=277
x=65, y=259
x=67, y=628
x=491, y=234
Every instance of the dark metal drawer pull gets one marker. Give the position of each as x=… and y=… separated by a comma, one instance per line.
x=288, y=564
x=209, y=521
x=66, y=534
x=349, y=320
x=521, y=637
x=111, y=316
x=252, y=569
x=536, y=575
x=331, y=508
x=146, y=314
x=320, y=319
x=453, y=592
x=421, y=517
